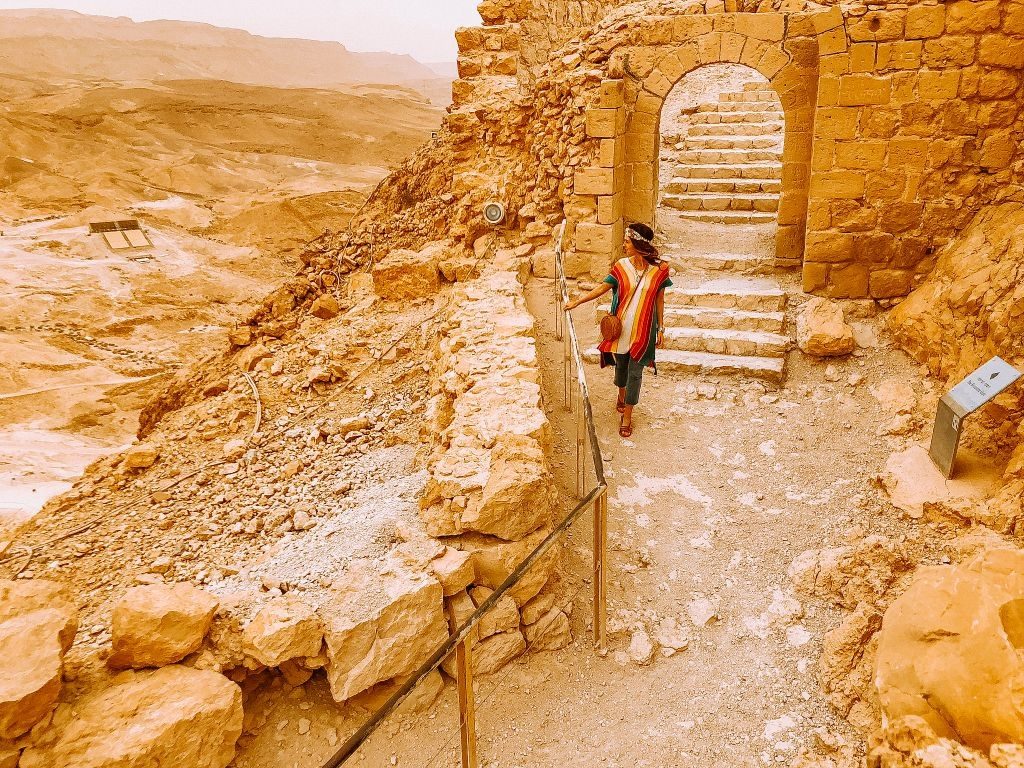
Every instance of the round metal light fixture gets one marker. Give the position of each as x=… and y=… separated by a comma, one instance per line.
x=494, y=213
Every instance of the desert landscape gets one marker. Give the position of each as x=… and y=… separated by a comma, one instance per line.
x=362, y=490
x=230, y=166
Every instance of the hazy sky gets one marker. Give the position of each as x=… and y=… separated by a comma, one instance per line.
x=423, y=28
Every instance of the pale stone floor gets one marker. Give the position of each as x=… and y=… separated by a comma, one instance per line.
x=723, y=484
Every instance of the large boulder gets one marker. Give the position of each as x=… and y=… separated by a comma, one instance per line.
x=286, y=628
x=383, y=622
x=159, y=624
x=518, y=496
x=173, y=716
x=822, y=331
x=406, y=274
x=38, y=622
x=950, y=647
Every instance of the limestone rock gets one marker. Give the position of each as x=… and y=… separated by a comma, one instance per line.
x=550, y=632
x=845, y=666
x=895, y=395
x=494, y=560
x=913, y=482
x=454, y=569
x=406, y=274
x=141, y=456
x=517, y=498
x=537, y=608
x=849, y=575
x=909, y=742
x=418, y=700
x=495, y=652
x=379, y=625
x=504, y=616
x=286, y=628
x=37, y=626
x=325, y=306
x=949, y=650
x=173, y=716
x=159, y=624
x=641, y=649
x=671, y=635
x=822, y=331
x=702, y=611
x=241, y=336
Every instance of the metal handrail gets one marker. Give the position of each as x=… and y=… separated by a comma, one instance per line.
x=597, y=497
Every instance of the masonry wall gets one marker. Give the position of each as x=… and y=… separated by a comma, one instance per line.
x=918, y=126
x=903, y=120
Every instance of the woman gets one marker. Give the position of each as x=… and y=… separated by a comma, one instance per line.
x=638, y=283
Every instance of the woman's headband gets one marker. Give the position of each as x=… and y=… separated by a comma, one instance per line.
x=634, y=235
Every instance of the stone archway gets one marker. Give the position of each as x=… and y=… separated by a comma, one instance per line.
x=627, y=119
x=796, y=88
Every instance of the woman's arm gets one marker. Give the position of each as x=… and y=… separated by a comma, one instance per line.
x=601, y=290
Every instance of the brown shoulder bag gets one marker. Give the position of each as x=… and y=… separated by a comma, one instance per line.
x=611, y=327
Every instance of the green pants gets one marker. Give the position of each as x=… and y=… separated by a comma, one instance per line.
x=629, y=374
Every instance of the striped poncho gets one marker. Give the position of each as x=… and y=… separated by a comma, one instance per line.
x=643, y=331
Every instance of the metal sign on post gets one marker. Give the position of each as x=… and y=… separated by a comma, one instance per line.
x=968, y=396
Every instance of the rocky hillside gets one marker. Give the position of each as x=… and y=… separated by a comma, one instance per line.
x=228, y=181
x=64, y=44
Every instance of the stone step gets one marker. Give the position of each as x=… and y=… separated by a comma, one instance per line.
x=770, y=369
x=730, y=156
x=724, y=171
x=726, y=217
x=756, y=87
x=752, y=116
x=746, y=106
x=737, y=319
x=749, y=294
x=741, y=264
x=760, y=202
x=767, y=128
x=690, y=185
x=716, y=318
x=720, y=341
x=733, y=142
x=761, y=94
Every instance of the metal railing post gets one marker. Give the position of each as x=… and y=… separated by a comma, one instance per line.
x=467, y=702
x=601, y=571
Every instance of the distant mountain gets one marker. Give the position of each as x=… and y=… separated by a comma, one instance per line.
x=446, y=69
x=65, y=44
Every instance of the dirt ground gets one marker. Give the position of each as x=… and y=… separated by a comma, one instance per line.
x=723, y=484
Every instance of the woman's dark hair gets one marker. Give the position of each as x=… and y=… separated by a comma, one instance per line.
x=642, y=238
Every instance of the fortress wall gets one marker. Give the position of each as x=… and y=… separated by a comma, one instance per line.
x=917, y=127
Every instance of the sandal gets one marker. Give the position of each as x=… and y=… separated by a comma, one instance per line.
x=620, y=406
x=625, y=430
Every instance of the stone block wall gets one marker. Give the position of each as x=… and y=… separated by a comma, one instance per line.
x=902, y=121
x=648, y=58
x=918, y=126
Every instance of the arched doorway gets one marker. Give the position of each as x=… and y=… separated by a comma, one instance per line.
x=720, y=167
x=793, y=86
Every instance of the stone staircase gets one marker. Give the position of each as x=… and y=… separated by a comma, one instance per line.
x=728, y=166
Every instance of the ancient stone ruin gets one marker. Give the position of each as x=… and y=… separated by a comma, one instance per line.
x=378, y=446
